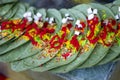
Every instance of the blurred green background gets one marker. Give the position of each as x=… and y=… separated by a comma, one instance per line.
x=61, y=3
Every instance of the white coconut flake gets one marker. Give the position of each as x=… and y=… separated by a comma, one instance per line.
x=29, y=14
x=106, y=21
x=90, y=16
x=36, y=18
x=95, y=11
x=119, y=9
x=47, y=19
x=29, y=19
x=25, y=15
x=64, y=20
x=117, y=17
x=89, y=10
x=79, y=26
x=51, y=20
x=66, y=15
x=77, y=32
x=77, y=22
x=39, y=14
x=70, y=18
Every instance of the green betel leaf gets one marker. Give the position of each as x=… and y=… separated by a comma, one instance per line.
x=65, y=68
x=81, y=58
x=7, y=1
x=65, y=11
x=26, y=5
x=5, y=45
x=115, y=49
x=83, y=8
x=18, y=41
x=13, y=12
x=115, y=10
x=116, y=2
x=111, y=55
x=103, y=11
x=5, y=8
x=41, y=57
x=55, y=14
x=20, y=11
x=97, y=55
x=43, y=12
x=8, y=15
x=100, y=51
x=12, y=44
x=55, y=62
x=78, y=15
x=33, y=61
x=32, y=10
x=37, y=61
x=109, y=5
x=19, y=53
x=22, y=54
x=6, y=39
x=117, y=59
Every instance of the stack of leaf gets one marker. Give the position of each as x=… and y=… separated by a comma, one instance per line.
x=59, y=40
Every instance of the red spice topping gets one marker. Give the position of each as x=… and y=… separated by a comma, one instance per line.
x=94, y=40
x=118, y=25
x=45, y=24
x=64, y=29
x=56, y=42
x=83, y=24
x=69, y=26
x=34, y=32
x=66, y=55
x=92, y=24
x=75, y=42
x=6, y=25
x=113, y=22
x=107, y=28
x=56, y=45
